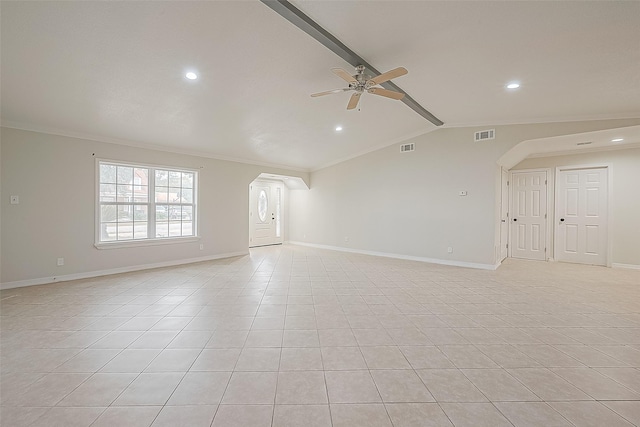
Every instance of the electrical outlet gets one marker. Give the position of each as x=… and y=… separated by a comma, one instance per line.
x=346, y=238
x=201, y=246
x=450, y=250
x=15, y=200
x=462, y=193
x=60, y=262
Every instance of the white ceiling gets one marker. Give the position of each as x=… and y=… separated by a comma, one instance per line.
x=114, y=71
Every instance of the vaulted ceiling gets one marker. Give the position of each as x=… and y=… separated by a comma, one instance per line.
x=114, y=71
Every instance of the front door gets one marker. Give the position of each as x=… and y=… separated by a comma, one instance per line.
x=581, y=216
x=265, y=213
x=529, y=215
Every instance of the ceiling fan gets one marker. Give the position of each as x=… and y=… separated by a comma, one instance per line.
x=361, y=82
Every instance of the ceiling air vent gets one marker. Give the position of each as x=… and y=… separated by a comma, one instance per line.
x=407, y=147
x=482, y=135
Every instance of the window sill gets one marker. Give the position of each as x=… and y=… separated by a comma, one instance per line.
x=146, y=242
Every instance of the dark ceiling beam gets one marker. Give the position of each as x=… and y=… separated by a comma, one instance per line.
x=309, y=26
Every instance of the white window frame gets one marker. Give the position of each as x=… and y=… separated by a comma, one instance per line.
x=151, y=207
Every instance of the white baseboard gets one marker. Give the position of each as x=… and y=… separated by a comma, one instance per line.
x=98, y=273
x=399, y=256
x=629, y=266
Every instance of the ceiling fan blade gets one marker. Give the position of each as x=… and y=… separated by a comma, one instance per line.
x=396, y=72
x=386, y=93
x=329, y=92
x=344, y=75
x=353, y=102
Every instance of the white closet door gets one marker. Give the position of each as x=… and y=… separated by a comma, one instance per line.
x=528, y=215
x=581, y=216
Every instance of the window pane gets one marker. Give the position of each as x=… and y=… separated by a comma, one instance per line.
x=162, y=229
x=141, y=213
x=140, y=230
x=140, y=194
x=125, y=175
x=175, y=213
x=125, y=230
x=187, y=180
x=108, y=213
x=141, y=176
x=107, y=192
x=175, y=194
x=162, y=194
x=175, y=179
x=107, y=173
x=162, y=213
x=175, y=229
x=125, y=192
x=125, y=213
x=108, y=232
x=162, y=178
x=187, y=195
x=187, y=213
x=187, y=228
x=262, y=205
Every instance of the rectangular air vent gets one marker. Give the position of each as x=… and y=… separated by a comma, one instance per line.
x=482, y=135
x=407, y=147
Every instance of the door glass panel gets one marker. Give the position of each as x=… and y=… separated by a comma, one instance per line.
x=278, y=203
x=262, y=205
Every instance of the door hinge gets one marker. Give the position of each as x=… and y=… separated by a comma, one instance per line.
x=545, y=182
x=507, y=182
x=545, y=249
x=507, y=246
x=545, y=216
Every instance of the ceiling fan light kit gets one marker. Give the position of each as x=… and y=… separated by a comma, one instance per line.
x=361, y=83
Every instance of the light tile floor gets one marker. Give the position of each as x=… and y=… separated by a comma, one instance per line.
x=292, y=336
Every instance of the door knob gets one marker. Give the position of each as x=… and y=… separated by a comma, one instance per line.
x=561, y=219
x=504, y=220
x=515, y=219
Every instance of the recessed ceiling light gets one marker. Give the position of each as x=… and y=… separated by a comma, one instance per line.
x=617, y=140
x=513, y=85
x=191, y=75
x=338, y=128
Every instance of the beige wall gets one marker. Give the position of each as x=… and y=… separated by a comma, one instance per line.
x=55, y=179
x=624, y=176
x=407, y=204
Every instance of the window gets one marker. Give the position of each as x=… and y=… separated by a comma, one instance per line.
x=138, y=203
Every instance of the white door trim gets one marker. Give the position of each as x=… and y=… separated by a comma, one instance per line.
x=504, y=240
x=556, y=215
x=547, y=172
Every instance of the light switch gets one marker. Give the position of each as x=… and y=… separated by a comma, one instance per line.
x=462, y=193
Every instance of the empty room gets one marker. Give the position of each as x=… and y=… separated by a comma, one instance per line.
x=272, y=213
